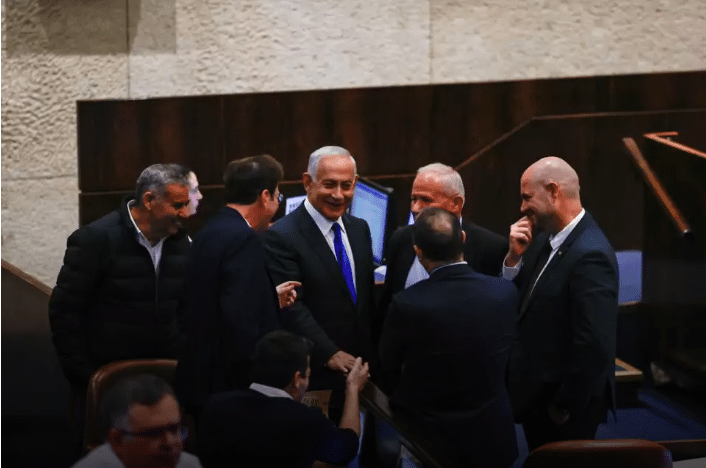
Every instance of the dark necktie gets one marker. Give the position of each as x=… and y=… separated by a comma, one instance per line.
x=343, y=262
x=539, y=266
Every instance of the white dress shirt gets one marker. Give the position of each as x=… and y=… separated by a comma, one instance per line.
x=154, y=251
x=326, y=228
x=554, y=240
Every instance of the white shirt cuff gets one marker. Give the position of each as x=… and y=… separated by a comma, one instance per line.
x=509, y=273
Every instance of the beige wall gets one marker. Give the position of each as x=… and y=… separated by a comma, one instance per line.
x=55, y=52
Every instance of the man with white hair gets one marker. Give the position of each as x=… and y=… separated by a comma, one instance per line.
x=330, y=253
x=561, y=375
x=436, y=185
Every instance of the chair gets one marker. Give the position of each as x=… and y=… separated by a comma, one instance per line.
x=612, y=453
x=106, y=377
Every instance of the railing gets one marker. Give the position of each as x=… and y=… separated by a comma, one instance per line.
x=414, y=439
x=657, y=188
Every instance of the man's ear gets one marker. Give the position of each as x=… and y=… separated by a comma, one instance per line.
x=458, y=205
x=307, y=180
x=298, y=380
x=553, y=189
x=147, y=199
x=265, y=196
x=463, y=236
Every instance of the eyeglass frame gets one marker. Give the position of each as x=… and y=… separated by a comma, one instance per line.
x=159, y=432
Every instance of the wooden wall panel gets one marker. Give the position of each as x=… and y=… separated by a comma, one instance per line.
x=118, y=139
x=393, y=131
x=611, y=188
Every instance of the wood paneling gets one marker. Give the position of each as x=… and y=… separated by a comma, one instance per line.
x=393, y=131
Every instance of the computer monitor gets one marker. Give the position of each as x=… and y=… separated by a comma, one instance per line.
x=292, y=203
x=372, y=202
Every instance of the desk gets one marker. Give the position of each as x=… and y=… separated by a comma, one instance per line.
x=627, y=383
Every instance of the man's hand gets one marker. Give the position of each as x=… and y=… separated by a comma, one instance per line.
x=286, y=293
x=358, y=376
x=558, y=415
x=341, y=361
x=520, y=239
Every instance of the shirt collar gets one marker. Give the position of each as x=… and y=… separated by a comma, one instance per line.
x=130, y=204
x=447, y=265
x=558, y=239
x=323, y=223
x=270, y=391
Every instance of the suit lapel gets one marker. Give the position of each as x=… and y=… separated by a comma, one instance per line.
x=554, y=266
x=312, y=234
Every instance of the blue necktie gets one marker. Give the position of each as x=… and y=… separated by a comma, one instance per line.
x=343, y=262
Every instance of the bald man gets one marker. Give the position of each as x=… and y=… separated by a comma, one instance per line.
x=561, y=375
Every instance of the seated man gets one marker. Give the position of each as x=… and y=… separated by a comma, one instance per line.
x=446, y=344
x=267, y=425
x=143, y=422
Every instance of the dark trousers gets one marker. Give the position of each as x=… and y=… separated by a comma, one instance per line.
x=540, y=429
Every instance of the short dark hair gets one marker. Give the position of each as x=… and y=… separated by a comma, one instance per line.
x=156, y=177
x=142, y=389
x=278, y=356
x=246, y=178
x=437, y=232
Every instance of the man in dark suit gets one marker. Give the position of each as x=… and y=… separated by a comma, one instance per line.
x=436, y=185
x=231, y=299
x=330, y=253
x=561, y=375
x=446, y=344
x=267, y=425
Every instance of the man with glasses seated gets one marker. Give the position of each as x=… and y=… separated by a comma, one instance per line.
x=143, y=424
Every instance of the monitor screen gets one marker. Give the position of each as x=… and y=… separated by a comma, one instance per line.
x=372, y=203
x=292, y=203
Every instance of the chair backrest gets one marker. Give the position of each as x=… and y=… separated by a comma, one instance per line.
x=611, y=453
x=106, y=377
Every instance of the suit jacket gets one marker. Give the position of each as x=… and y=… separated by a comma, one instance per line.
x=324, y=311
x=565, y=351
x=231, y=303
x=446, y=343
x=484, y=251
x=246, y=428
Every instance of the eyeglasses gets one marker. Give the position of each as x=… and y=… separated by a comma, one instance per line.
x=280, y=197
x=159, y=432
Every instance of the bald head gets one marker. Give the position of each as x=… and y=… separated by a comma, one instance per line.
x=553, y=169
x=550, y=194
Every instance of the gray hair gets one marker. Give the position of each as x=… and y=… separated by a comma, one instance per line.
x=316, y=157
x=141, y=389
x=450, y=179
x=156, y=177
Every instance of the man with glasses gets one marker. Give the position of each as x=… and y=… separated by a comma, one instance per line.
x=231, y=301
x=144, y=430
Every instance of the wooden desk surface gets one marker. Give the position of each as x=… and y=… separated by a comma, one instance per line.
x=624, y=372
